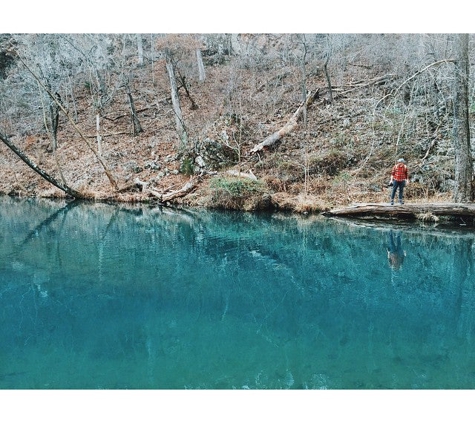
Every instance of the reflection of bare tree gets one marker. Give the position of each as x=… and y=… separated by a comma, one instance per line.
x=37, y=273
x=47, y=222
x=101, y=244
x=462, y=278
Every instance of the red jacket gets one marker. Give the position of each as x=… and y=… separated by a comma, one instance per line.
x=399, y=172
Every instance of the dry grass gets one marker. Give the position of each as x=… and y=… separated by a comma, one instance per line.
x=428, y=217
x=317, y=168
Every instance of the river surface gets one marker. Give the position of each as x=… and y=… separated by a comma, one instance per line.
x=98, y=296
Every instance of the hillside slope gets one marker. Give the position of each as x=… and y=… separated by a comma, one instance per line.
x=339, y=154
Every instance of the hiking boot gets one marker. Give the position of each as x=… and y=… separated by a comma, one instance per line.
x=392, y=202
x=401, y=202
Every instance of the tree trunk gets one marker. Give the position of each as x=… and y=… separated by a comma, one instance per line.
x=180, y=127
x=135, y=120
x=133, y=112
x=73, y=99
x=201, y=66
x=54, y=115
x=139, y=49
x=304, y=85
x=32, y=165
x=325, y=70
x=98, y=134
x=461, y=130
x=182, y=80
x=51, y=119
x=329, y=84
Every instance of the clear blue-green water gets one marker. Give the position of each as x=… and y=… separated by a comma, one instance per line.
x=97, y=296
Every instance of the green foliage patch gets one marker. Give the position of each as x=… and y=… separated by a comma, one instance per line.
x=186, y=166
x=232, y=192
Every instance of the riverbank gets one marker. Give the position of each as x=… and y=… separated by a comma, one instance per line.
x=251, y=146
x=272, y=180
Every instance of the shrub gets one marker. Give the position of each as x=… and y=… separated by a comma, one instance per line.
x=232, y=192
x=186, y=166
x=330, y=163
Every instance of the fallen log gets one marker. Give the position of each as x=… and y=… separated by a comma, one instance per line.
x=426, y=212
x=288, y=127
x=169, y=196
x=185, y=190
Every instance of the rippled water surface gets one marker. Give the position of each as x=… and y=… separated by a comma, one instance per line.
x=97, y=296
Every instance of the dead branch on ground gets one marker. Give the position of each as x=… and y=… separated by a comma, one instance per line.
x=163, y=198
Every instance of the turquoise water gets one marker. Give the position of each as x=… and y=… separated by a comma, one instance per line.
x=97, y=296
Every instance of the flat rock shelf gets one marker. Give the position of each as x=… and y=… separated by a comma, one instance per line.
x=453, y=212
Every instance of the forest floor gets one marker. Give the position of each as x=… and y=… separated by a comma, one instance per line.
x=335, y=159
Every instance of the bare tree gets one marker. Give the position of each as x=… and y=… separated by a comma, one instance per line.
x=65, y=112
x=45, y=53
x=178, y=49
x=180, y=127
x=92, y=51
x=50, y=115
x=328, y=54
x=139, y=49
x=302, y=41
x=135, y=119
x=201, y=66
x=461, y=129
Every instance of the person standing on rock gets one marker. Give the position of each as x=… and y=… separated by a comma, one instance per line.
x=399, y=179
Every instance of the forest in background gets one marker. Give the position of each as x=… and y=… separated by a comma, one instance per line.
x=299, y=122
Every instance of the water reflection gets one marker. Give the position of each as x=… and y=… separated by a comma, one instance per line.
x=103, y=296
x=395, y=252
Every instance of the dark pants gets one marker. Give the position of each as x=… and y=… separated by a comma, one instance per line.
x=395, y=252
x=398, y=185
x=395, y=245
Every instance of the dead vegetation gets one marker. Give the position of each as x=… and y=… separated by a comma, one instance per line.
x=246, y=119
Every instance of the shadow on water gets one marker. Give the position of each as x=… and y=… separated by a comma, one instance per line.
x=105, y=296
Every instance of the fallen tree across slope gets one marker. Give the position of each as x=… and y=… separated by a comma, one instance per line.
x=62, y=186
x=289, y=126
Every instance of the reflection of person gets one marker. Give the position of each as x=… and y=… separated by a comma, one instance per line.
x=399, y=179
x=395, y=252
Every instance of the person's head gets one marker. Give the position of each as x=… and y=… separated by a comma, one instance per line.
x=401, y=160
